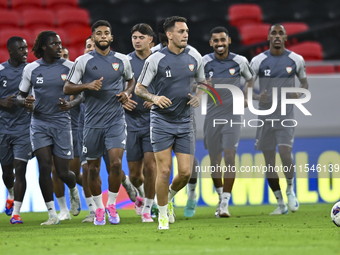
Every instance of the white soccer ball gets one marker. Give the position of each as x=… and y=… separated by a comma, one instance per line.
x=335, y=214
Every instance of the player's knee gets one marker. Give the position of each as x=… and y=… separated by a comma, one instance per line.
x=164, y=173
x=135, y=176
x=116, y=165
x=184, y=175
x=93, y=172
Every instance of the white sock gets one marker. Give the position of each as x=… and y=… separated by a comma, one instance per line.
x=51, y=209
x=155, y=201
x=62, y=204
x=112, y=198
x=279, y=198
x=74, y=191
x=141, y=191
x=99, y=201
x=147, y=205
x=16, y=208
x=163, y=211
x=91, y=205
x=226, y=197
x=11, y=193
x=192, y=191
x=171, y=194
x=290, y=184
x=219, y=192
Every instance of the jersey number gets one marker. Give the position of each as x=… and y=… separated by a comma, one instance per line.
x=168, y=73
x=267, y=72
x=4, y=83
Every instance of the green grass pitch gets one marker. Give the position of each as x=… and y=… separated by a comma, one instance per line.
x=250, y=230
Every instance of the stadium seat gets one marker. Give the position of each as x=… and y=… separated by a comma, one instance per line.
x=73, y=52
x=78, y=36
x=56, y=5
x=36, y=18
x=21, y=5
x=320, y=69
x=73, y=18
x=4, y=56
x=255, y=33
x=295, y=27
x=5, y=34
x=309, y=50
x=9, y=19
x=4, y=4
x=31, y=57
x=61, y=32
x=242, y=14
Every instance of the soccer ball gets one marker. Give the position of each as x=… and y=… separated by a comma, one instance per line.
x=335, y=214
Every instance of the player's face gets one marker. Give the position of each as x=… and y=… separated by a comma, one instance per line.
x=179, y=35
x=277, y=37
x=220, y=42
x=65, y=54
x=102, y=37
x=89, y=45
x=53, y=47
x=19, y=51
x=141, y=42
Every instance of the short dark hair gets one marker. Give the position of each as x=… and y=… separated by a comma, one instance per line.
x=154, y=38
x=101, y=23
x=13, y=40
x=87, y=39
x=159, y=26
x=169, y=23
x=41, y=41
x=143, y=28
x=276, y=24
x=217, y=30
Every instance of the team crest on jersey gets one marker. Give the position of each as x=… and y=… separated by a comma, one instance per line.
x=191, y=67
x=232, y=71
x=63, y=77
x=115, y=66
x=288, y=69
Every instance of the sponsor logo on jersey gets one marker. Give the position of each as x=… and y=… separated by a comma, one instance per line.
x=63, y=77
x=115, y=66
x=288, y=69
x=232, y=71
x=191, y=67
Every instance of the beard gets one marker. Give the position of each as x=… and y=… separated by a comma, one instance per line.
x=102, y=47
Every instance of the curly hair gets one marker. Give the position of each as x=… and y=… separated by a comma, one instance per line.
x=41, y=41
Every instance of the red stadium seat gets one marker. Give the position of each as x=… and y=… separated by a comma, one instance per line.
x=73, y=18
x=243, y=14
x=309, y=50
x=254, y=33
x=4, y=56
x=78, y=36
x=61, y=32
x=37, y=18
x=320, y=69
x=60, y=4
x=73, y=52
x=21, y=5
x=9, y=19
x=5, y=34
x=31, y=57
x=4, y=4
x=294, y=27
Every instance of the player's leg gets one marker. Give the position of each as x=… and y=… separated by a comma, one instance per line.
x=150, y=171
x=75, y=168
x=87, y=192
x=215, y=160
x=189, y=210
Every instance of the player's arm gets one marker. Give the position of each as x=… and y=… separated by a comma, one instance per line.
x=303, y=85
x=301, y=74
x=124, y=95
x=196, y=100
x=74, y=101
x=161, y=101
x=23, y=99
x=71, y=88
x=255, y=66
x=7, y=102
x=249, y=84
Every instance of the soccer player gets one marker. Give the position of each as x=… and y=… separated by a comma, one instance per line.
x=103, y=74
x=15, y=145
x=139, y=151
x=163, y=39
x=50, y=124
x=171, y=72
x=223, y=67
x=277, y=68
x=64, y=53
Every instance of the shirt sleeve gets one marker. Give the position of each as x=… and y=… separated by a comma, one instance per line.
x=255, y=66
x=301, y=68
x=246, y=71
x=149, y=71
x=127, y=73
x=200, y=75
x=25, y=84
x=77, y=71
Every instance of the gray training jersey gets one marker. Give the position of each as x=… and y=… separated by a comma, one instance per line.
x=47, y=83
x=226, y=71
x=102, y=108
x=172, y=76
x=138, y=118
x=278, y=71
x=14, y=120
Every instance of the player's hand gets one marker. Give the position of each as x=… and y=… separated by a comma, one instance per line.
x=130, y=104
x=264, y=97
x=194, y=101
x=29, y=102
x=64, y=105
x=7, y=102
x=295, y=95
x=162, y=101
x=95, y=85
x=147, y=105
x=124, y=97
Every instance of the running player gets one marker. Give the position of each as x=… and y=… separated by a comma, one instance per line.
x=223, y=67
x=103, y=74
x=277, y=68
x=15, y=145
x=139, y=153
x=50, y=124
x=171, y=72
